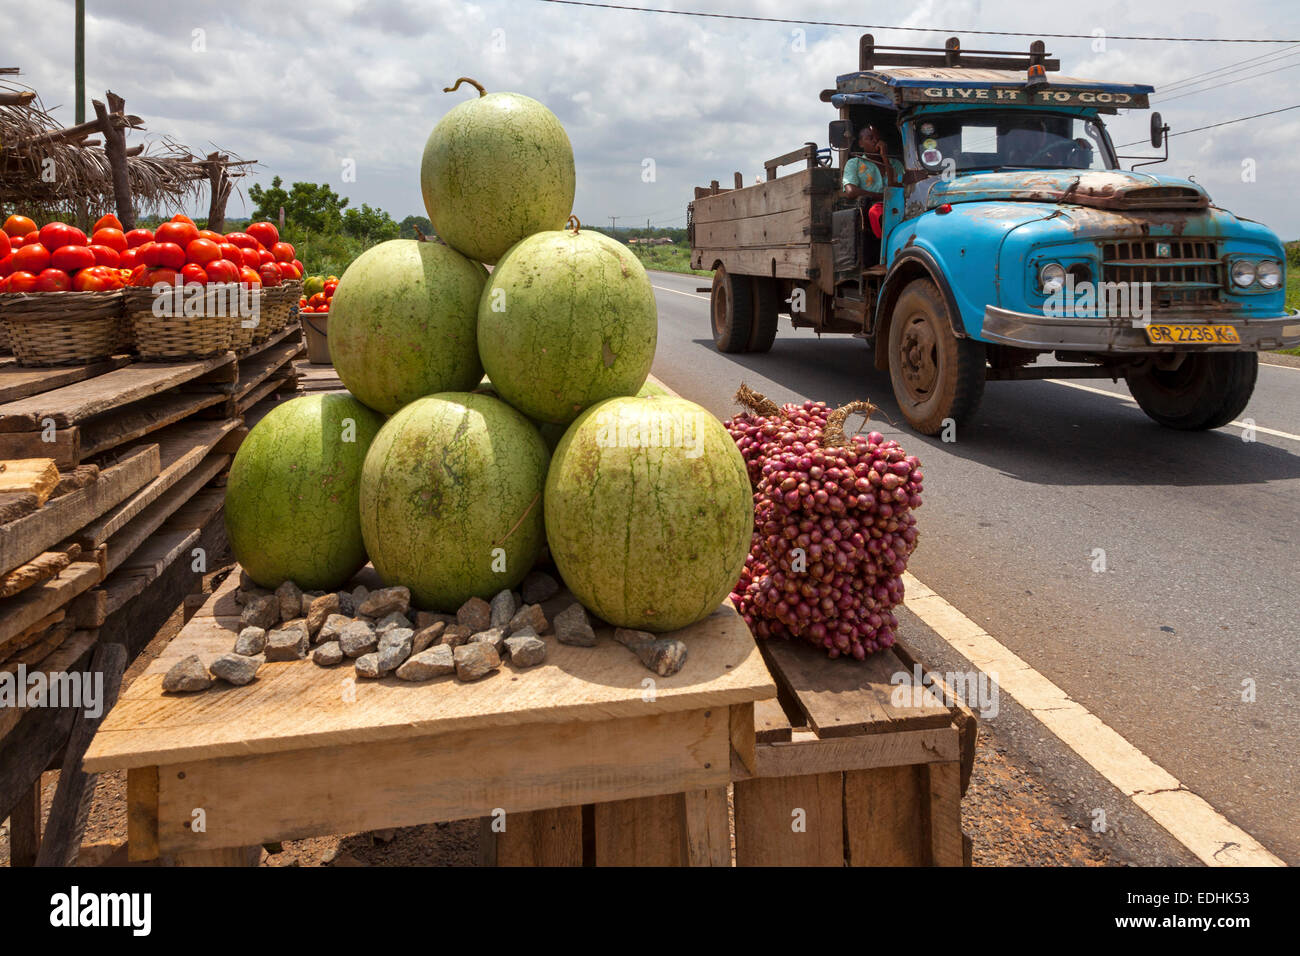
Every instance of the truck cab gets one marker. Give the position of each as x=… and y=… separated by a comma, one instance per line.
x=1012, y=233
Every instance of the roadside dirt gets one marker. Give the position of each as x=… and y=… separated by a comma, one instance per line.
x=1013, y=819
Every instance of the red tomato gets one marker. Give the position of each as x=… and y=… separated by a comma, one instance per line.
x=265, y=233
x=106, y=256
x=317, y=300
x=202, y=251
x=128, y=260
x=250, y=258
x=283, y=252
x=88, y=281
x=72, y=258
x=22, y=282
x=222, y=270
x=168, y=255
x=270, y=274
x=6, y=266
x=108, y=222
x=208, y=234
x=53, y=280
x=57, y=234
x=249, y=276
x=163, y=275
x=108, y=236
x=6, y=246
x=329, y=288
x=181, y=233
x=139, y=275
x=264, y=257
x=302, y=270
x=231, y=251
x=17, y=242
x=181, y=217
x=194, y=275
x=17, y=225
x=112, y=277
x=32, y=257
x=286, y=270
x=138, y=237
x=241, y=239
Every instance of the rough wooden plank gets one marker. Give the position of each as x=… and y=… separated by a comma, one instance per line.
x=70, y=656
x=793, y=192
x=25, y=826
x=13, y=507
x=272, y=384
x=26, y=609
x=23, y=539
x=288, y=707
x=790, y=821
x=35, y=476
x=142, y=813
x=40, y=568
x=883, y=815
x=742, y=735
x=783, y=262
x=50, y=641
x=63, y=445
x=770, y=722
x=551, y=837
x=90, y=609
x=77, y=402
x=944, y=814
x=963, y=716
x=142, y=418
x=17, y=382
x=806, y=754
x=181, y=448
x=31, y=634
x=706, y=830
x=421, y=779
x=254, y=371
x=80, y=477
x=641, y=831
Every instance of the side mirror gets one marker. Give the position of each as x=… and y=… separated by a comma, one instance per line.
x=1158, y=129
x=840, y=134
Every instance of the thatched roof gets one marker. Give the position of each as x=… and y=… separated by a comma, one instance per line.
x=45, y=167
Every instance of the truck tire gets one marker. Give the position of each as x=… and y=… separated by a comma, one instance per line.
x=1208, y=390
x=767, y=308
x=732, y=309
x=935, y=375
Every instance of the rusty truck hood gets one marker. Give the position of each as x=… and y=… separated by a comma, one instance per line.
x=1115, y=189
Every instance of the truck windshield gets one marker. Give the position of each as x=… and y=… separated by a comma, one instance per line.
x=1019, y=139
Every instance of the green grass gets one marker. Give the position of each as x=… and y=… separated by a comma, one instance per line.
x=1292, y=302
x=674, y=258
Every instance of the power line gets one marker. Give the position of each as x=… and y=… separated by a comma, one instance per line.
x=1240, y=79
x=1228, y=69
x=1239, y=119
x=882, y=26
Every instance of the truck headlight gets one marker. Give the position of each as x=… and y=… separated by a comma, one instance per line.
x=1243, y=272
x=1051, y=277
x=1269, y=273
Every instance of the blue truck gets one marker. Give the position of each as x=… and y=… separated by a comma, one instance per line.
x=1004, y=230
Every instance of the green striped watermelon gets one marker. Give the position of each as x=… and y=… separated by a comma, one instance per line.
x=451, y=498
x=496, y=169
x=402, y=323
x=649, y=512
x=291, y=498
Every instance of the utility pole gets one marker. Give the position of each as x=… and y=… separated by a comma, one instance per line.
x=79, y=67
x=613, y=225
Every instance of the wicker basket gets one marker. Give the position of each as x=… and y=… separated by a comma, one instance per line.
x=5, y=347
x=61, y=328
x=243, y=337
x=167, y=334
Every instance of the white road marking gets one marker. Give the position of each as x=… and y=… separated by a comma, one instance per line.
x=1293, y=368
x=1191, y=821
x=693, y=295
x=1129, y=399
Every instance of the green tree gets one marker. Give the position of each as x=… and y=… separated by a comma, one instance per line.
x=308, y=207
x=370, y=225
x=410, y=224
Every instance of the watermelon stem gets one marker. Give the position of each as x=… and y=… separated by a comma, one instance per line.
x=465, y=79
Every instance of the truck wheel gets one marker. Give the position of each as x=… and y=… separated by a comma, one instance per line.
x=936, y=376
x=732, y=306
x=767, y=307
x=1208, y=390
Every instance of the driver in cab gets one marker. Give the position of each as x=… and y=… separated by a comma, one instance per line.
x=867, y=176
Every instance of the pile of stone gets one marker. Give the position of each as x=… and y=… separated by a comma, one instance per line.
x=380, y=634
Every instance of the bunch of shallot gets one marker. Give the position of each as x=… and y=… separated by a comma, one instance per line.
x=833, y=525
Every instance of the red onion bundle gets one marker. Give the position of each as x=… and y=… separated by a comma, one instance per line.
x=833, y=526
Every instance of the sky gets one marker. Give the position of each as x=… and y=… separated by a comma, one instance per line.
x=346, y=93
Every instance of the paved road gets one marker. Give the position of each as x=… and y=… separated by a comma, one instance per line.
x=1199, y=533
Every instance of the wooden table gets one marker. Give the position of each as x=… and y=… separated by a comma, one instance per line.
x=305, y=751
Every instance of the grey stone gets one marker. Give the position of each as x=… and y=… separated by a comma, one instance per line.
x=394, y=648
x=187, y=675
x=502, y=609
x=496, y=636
x=236, y=669
x=288, y=643
x=358, y=638
x=630, y=638
x=244, y=595
x=368, y=665
x=262, y=611
x=385, y=601
x=434, y=662
x=359, y=594
x=454, y=635
x=388, y=621
x=526, y=649
x=328, y=654
x=528, y=616
x=539, y=586
x=476, y=614
x=246, y=582
x=572, y=627
x=251, y=641
x=346, y=604
x=290, y=597
x=332, y=628
x=474, y=661
x=319, y=611
x=665, y=656
x=425, y=619
x=426, y=637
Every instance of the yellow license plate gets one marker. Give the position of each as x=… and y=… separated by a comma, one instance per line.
x=1192, y=335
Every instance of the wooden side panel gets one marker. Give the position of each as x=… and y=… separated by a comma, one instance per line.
x=883, y=816
x=944, y=816
x=706, y=828
x=771, y=229
x=550, y=837
x=790, y=821
x=142, y=813
x=644, y=831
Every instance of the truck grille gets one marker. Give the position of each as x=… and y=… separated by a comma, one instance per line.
x=1189, y=277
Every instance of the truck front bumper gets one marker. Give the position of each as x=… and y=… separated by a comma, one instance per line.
x=1030, y=331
